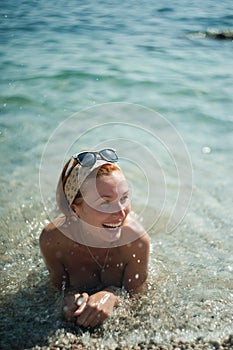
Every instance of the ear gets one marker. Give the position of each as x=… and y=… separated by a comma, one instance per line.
x=74, y=207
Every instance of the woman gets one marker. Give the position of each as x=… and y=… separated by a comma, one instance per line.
x=97, y=246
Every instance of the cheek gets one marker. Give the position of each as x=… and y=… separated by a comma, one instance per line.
x=128, y=208
x=86, y=211
x=128, y=205
x=94, y=214
x=101, y=214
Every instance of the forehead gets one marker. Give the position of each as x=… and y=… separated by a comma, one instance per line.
x=112, y=181
x=110, y=184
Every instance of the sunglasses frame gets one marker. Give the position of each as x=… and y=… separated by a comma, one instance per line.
x=95, y=154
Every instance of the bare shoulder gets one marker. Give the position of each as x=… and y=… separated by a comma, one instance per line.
x=134, y=233
x=51, y=235
x=49, y=232
x=138, y=240
x=142, y=243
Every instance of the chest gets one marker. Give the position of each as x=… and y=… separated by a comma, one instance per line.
x=90, y=269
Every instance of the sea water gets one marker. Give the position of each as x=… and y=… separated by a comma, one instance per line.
x=145, y=78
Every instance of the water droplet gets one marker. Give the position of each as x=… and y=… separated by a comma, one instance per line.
x=130, y=280
x=58, y=254
x=140, y=245
x=136, y=276
x=138, y=261
x=117, y=265
x=206, y=149
x=134, y=255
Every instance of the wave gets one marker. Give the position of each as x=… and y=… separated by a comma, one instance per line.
x=216, y=34
x=16, y=99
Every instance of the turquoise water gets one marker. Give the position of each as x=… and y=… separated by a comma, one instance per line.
x=148, y=67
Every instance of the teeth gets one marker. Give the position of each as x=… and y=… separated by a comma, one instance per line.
x=112, y=225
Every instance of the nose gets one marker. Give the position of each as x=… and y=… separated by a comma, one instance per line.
x=119, y=210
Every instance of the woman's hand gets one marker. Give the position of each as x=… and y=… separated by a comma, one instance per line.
x=73, y=304
x=95, y=309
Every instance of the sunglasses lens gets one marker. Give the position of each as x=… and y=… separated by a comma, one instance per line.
x=86, y=159
x=109, y=155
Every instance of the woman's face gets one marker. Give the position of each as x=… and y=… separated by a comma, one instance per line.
x=106, y=203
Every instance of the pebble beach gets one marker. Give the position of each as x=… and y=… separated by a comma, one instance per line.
x=167, y=317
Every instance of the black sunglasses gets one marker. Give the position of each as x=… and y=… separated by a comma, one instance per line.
x=88, y=158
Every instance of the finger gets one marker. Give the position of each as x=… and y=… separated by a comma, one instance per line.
x=81, y=302
x=69, y=314
x=69, y=307
x=100, y=315
x=69, y=300
x=77, y=299
x=97, y=320
x=87, y=315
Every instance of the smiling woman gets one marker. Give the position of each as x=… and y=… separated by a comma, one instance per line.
x=96, y=246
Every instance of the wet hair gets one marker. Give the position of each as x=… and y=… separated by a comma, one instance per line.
x=104, y=170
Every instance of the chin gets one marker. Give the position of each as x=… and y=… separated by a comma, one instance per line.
x=110, y=235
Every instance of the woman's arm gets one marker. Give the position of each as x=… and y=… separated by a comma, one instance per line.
x=136, y=271
x=48, y=247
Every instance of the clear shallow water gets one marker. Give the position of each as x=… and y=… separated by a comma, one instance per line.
x=57, y=60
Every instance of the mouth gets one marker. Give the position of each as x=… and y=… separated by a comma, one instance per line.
x=112, y=226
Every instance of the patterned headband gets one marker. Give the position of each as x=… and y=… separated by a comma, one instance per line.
x=78, y=176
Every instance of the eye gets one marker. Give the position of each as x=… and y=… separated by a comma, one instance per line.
x=105, y=203
x=124, y=199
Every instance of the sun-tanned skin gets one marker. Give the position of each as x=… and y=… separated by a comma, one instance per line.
x=88, y=269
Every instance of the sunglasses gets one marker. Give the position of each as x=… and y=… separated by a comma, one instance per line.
x=88, y=159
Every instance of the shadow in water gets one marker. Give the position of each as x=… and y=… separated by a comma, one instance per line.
x=31, y=316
